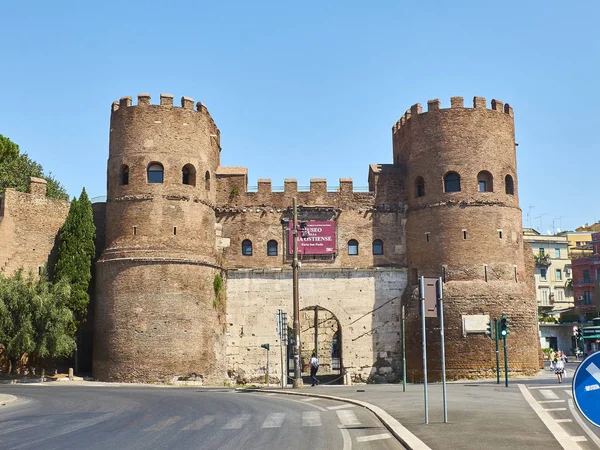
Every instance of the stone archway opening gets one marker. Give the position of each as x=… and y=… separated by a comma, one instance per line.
x=320, y=332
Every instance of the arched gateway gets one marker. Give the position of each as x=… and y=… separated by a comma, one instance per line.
x=320, y=332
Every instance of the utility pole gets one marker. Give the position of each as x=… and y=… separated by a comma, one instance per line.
x=297, y=374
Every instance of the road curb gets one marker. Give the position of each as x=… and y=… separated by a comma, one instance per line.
x=399, y=431
x=5, y=399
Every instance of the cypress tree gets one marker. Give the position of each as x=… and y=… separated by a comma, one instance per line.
x=75, y=253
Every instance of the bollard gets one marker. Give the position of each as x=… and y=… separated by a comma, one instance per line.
x=71, y=373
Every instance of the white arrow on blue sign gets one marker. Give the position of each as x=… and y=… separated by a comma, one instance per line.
x=586, y=388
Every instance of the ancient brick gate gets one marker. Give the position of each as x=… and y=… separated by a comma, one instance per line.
x=320, y=332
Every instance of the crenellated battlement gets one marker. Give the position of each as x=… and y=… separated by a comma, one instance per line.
x=455, y=103
x=166, y=101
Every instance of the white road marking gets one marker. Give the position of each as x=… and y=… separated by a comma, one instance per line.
x=548, y=394
x=22, y=425
x=347, y=418
x=274, y=420
x=555, y=409
x=568, y=391
x=551, y=401
x=271, y=393
x=311, y=419
x=79, y=424
x=309, y=399
x=583, y=425
x=320, y=408
x=163, y=424
x=237, y=422
x=374, y=437
x=563, y=420
x=204, y=420
x=559, y=434
x=346, y=437
x=579, y=438
x=347, y=405
x=550, y=386
x=593, y=371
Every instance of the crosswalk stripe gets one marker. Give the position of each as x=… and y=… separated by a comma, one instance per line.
x=579, y=438
x=332, y=408
x=563, y=420
x=274, y=420
x=548, y=394
x=237, y=422
x=347, y=418
x=569, y=392
x=204, y=420
x=164, y=423
x=555, y=409
x=373, y=437
x=551, y=401
x=311, y=419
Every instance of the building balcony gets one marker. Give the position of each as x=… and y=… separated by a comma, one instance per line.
x=542, y=260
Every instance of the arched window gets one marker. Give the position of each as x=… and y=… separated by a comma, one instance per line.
x=452, y=182
x=155, y=173
x=419, y=187
x=272, y=248
x=378, y=247
x=247, y=247
x=188, y=175
x=509, y=185
x=485, y=181
x=124, y=175
x=207, y=180
x=353, y=247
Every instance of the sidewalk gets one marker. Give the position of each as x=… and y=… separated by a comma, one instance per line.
x=480, y=413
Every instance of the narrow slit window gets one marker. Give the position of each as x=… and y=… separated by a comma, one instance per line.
x=134, y=230
x=464, y=234
x=174, y=231
x=427, y=237
x=499, y=234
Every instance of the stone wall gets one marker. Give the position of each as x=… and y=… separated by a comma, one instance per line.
x=365, y=303
x=29, y=225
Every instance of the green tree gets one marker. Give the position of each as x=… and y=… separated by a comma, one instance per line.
x=75, y=253
x=34, y=318
x=8, y=149
x=16, y=168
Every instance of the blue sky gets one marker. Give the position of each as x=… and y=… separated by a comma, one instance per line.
x=309, y=89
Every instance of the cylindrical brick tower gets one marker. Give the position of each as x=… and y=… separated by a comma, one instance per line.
x=156, y=313
x=464, y=225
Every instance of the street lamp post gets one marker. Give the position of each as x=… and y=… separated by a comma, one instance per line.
x=297, y=374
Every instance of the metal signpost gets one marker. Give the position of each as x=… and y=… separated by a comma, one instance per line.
x=296, y=299
x=441, y=314
x=267, y=347
x=424, y=338
x=282, y=333
x=586, y=388
x=430, y=295
x=403, y=349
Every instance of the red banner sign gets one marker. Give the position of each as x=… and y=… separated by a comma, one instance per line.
x=317, y=238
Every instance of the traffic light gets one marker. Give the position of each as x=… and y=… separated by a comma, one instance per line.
x=579, y=334
x=489, y=330
x=504, y=326
x=265, y=346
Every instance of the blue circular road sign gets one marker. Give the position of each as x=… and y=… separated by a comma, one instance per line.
x=586, y=388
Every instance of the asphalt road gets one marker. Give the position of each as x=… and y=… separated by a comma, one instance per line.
x=128, y=417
